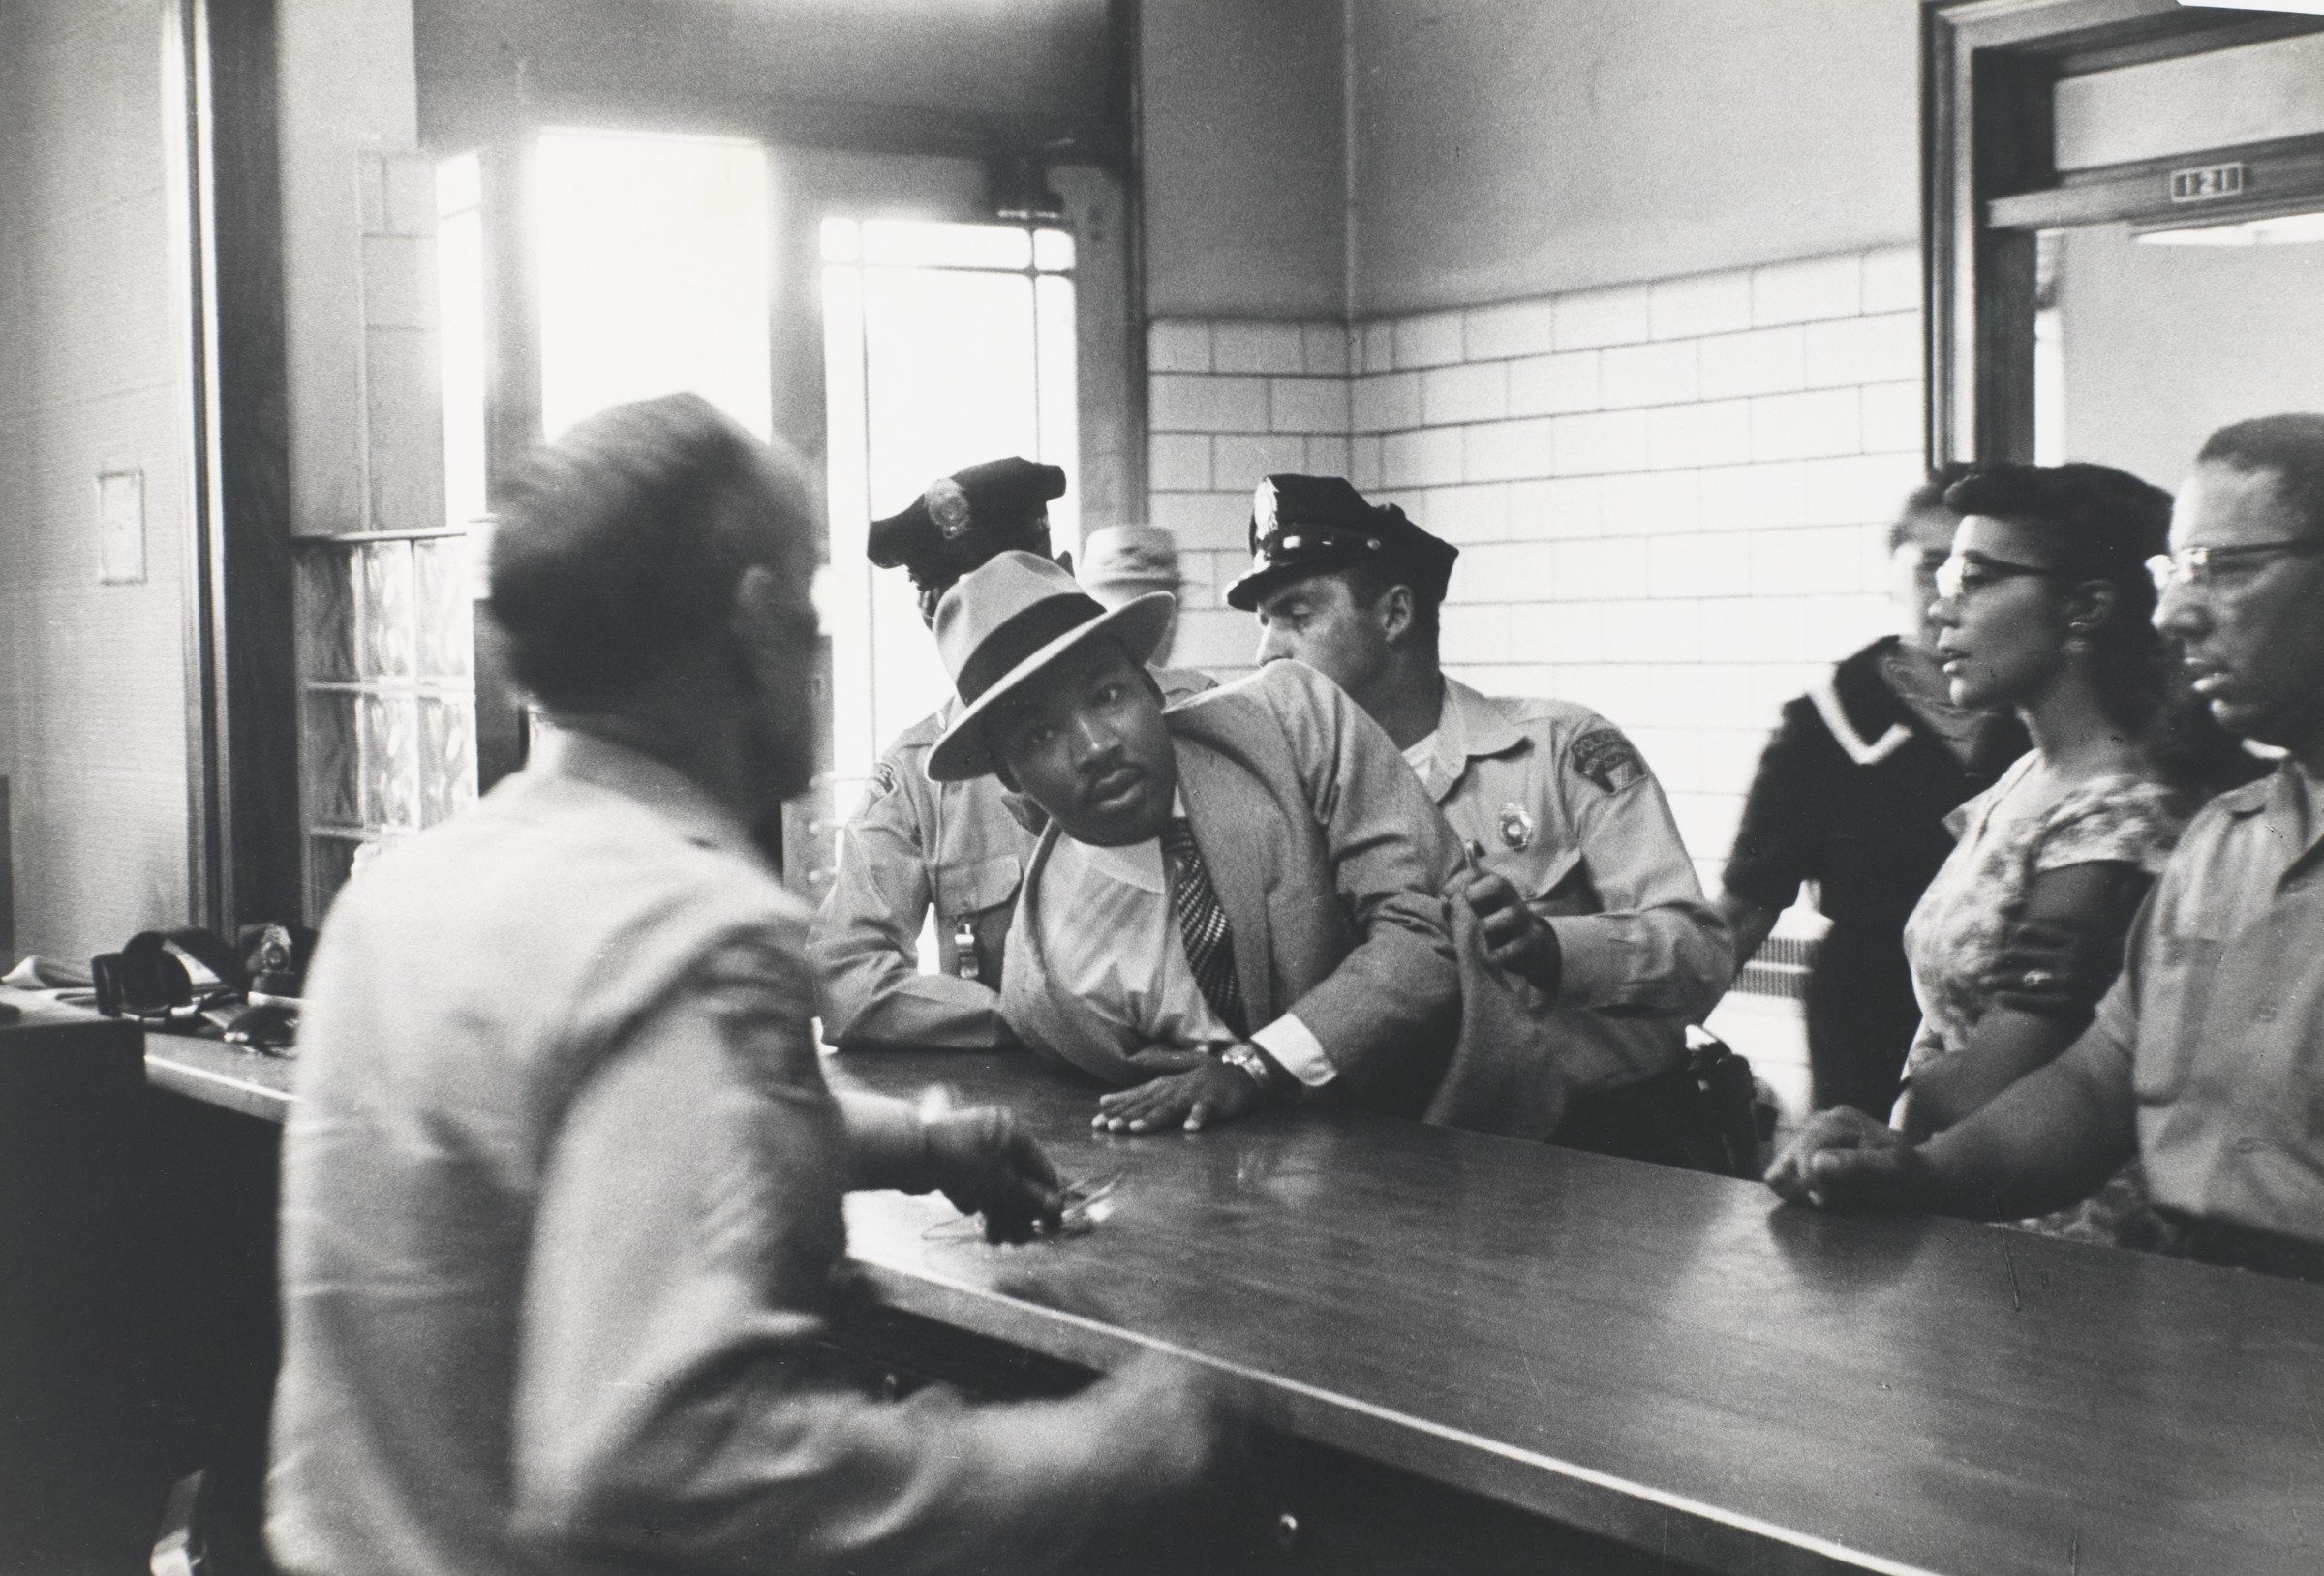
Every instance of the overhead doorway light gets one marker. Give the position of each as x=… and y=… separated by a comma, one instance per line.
x=2274, y=229
x=2306, y=8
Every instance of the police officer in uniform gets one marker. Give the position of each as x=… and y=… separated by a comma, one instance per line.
x=957, y=846
x=1580, y=884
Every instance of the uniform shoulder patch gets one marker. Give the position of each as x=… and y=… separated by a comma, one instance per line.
x=882, y=782
x=1607, y=758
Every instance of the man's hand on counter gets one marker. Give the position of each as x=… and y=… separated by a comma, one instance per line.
x=1194, y=1091
x=1846, y=1160
x=985, y=1164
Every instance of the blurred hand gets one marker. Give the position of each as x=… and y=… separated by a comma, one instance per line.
x=1195, y=1091
x=1179, y=1420
x=1515, y=937
x=984, y=1164
x=1846, y=1160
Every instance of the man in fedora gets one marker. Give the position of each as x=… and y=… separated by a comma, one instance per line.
x=914, y=844
x=1236, y=902
x=1583, y=890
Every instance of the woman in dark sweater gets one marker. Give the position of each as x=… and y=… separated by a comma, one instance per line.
x=1852, y=793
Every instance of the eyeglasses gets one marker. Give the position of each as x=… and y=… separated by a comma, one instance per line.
x=1958, y=577
x=2193, y=565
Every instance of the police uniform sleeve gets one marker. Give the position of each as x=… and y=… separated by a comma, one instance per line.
x=866, y=941
x=671, y=1405
x=1776, y=843
x=1655, y=949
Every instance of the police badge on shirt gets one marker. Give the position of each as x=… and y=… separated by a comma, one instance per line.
x=1607, y=758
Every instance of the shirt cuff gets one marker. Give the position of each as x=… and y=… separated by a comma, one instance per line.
x=1596, y=967
x=1294, y=1046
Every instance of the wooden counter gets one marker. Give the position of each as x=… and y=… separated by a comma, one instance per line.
x=1667, y=1360
x=1499, y=1355
x=216, y=1074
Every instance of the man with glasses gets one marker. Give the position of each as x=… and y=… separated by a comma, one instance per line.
x=2207, y=1057
x=1851, y=794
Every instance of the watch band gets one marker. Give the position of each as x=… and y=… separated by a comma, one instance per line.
x=1247, y=1056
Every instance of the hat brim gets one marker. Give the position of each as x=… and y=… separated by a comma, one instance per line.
x=1138, y=624
x=1246, y=593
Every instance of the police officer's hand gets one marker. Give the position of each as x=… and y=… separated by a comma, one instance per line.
x=1515, y=937
x=986, y=1165
x=1846, y=1160
x=1195, y=1091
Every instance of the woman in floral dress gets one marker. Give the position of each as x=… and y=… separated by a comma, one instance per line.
x=2045, y=606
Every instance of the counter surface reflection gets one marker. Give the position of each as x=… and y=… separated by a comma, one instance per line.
x=1662, y=1358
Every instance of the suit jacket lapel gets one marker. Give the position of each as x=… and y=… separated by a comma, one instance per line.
x=1231, y=826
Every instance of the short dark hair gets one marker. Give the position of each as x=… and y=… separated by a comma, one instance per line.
x=1927, y=498
x=2290, y=447
x=1368, y=581
x=620, y=545
x=2104, y=525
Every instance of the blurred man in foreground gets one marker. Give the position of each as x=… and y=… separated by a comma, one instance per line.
x=2206, y=1058
x=561, y=1219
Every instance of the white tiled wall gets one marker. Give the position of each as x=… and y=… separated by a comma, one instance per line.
x=1229, y=402
x=1671, y=498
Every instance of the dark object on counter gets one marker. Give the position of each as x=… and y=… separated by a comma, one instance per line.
x=192, y=981
x=167, y=974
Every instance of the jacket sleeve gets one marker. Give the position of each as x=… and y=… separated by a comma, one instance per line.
x=865, y=940
x=1778, y=838
x=671, y=1408
x=1397, y=995
x=1655, y=949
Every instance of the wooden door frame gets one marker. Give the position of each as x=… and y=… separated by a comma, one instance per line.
x=1989, y=184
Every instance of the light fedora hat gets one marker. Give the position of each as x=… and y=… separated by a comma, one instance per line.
x=1003, y=623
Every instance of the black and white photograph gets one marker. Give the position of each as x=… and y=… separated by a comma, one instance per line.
x=1161, y=787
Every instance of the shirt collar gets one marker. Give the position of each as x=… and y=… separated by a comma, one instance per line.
x=633, y=775
x=1136, y=864
x=2292, y=804
x=1468, y=725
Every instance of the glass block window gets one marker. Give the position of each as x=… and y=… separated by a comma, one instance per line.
x=386, y=662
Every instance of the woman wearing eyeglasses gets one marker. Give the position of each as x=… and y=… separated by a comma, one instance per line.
x=2046, y=607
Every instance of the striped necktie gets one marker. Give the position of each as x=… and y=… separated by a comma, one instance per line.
x=1202, y=924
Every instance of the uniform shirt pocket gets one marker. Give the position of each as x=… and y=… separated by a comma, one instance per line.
x=977, y=886
x=1551, y=880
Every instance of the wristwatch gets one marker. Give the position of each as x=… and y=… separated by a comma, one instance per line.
x=1247, y=1056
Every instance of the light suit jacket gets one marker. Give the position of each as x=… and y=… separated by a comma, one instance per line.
x=960, y=847
x=1328, y=860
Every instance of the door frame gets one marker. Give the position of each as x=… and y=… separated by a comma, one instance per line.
x=1989, y=183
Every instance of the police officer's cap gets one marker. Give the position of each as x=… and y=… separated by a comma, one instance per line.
x=1306, y=524
x=969, y=516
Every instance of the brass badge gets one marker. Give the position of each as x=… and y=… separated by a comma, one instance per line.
x=1263, y=508
x=1516, y=827
x=948, y=507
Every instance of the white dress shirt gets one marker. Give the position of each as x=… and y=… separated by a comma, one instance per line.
x=1112, y=939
